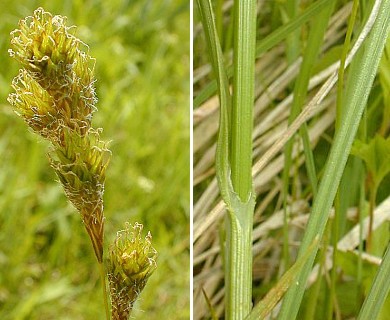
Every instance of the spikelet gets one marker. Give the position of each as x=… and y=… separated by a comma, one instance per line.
x=55, y=66
x=80, y=166
x=131, y=261
x=55, y=95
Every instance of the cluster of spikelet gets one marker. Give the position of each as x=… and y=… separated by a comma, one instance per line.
x=55, y=95
x=131, y=262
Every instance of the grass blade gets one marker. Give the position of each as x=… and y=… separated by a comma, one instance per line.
x=300, y=92
x=379, y=290
x=267, y=43
x=265, y=306
x=216, y=57
x=362, y=73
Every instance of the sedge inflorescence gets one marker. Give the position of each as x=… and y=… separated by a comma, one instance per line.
x=131, y=262
x=55, y=95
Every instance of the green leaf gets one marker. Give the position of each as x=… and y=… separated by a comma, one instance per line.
x=361, y=76
x=375, y=155
x=216, y=57
x=267, y=43
x=384, y=78
x=265, y=306
x=379, y=290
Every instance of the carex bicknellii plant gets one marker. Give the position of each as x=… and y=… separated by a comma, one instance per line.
x=55, y=95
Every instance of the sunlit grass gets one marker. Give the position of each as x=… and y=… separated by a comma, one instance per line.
x=47, y=269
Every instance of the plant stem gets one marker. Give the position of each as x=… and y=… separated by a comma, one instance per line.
x=234, y=151
x=239, y=266
x=373, y=192
x=243, y=96
x=103, y=278
x=240, y=221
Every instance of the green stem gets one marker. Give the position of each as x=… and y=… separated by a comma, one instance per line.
x=239, y=266
x=243, y=96
x=240, y=220
x=104, y=285
x=346, y=47
x=234, y=150
x=373, y=192
x=333, y=274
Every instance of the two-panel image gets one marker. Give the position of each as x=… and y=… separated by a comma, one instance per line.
x=206, y=159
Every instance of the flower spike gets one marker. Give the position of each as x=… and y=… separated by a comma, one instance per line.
x=131, y=261
x=55, y=95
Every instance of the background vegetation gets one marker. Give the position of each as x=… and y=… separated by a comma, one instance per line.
x=287, y=33
x=47, y=265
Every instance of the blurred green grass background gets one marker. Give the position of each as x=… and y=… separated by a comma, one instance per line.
x=47, y=265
